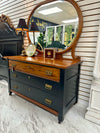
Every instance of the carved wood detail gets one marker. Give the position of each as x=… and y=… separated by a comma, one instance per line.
x=4, y=18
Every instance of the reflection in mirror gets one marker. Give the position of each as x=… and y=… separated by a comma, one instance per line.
x=57, y=24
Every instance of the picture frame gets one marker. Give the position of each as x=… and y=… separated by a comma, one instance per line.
x=30, y=50
x=49, y=53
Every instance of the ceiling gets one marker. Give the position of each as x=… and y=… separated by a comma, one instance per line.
x=68, y=12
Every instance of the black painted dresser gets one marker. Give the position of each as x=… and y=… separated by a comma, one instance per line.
x=50, y=84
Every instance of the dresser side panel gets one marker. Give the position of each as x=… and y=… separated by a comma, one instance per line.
x=70, y=86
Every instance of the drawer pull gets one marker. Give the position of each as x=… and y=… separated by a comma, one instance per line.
x=13, y=65
x=29, y=89
x=47, y=101
x=29, y=77
x=28, y=67
x=48, y=87
x=49, y=73
x=14, y=75
x=15, y=86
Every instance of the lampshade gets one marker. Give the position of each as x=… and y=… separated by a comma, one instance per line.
x=34, y=27
x=22, y=25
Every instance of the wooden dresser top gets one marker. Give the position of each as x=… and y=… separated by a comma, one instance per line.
x=58, y=63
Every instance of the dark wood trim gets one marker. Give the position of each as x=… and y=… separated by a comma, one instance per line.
x=72, y=47
x=37, y=103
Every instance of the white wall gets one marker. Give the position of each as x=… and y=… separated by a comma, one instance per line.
x=86, y=47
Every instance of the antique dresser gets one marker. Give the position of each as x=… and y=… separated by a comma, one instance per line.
x=50, y=83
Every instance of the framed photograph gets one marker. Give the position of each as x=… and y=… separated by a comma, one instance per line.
x=49, y=53
x=30, y=50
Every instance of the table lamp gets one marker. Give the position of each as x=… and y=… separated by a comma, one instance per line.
x=34, y=28
x=22, y=26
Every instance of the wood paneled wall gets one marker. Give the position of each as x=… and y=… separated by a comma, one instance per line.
x=86, y=47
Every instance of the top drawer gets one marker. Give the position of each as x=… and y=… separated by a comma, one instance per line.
x=36, y=70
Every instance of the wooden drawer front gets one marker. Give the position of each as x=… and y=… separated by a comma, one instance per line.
x=4, y=71
x=35, y=94
x=36, y=70
x=43, y=84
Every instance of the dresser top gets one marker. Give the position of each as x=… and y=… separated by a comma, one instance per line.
x=58, y=63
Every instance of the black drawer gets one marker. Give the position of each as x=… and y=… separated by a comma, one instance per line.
x=43, y=84
x=70, y=72
x=3, y=71
x=3, y=62
x=35, y=94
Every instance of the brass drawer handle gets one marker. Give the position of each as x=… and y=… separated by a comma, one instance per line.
x=48, y=87
x=49, y=73
x=28, y=67
x=15, y=86
x=47, y=101
x=14, y=75
x=29, y=89
x=29, y=77
x=13, y=65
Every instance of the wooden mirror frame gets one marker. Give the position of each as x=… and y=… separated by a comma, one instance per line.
x=73, y=45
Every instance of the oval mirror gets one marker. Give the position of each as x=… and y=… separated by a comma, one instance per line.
x=55, y=24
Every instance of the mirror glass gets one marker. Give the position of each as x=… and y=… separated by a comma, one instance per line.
x=54, y=25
